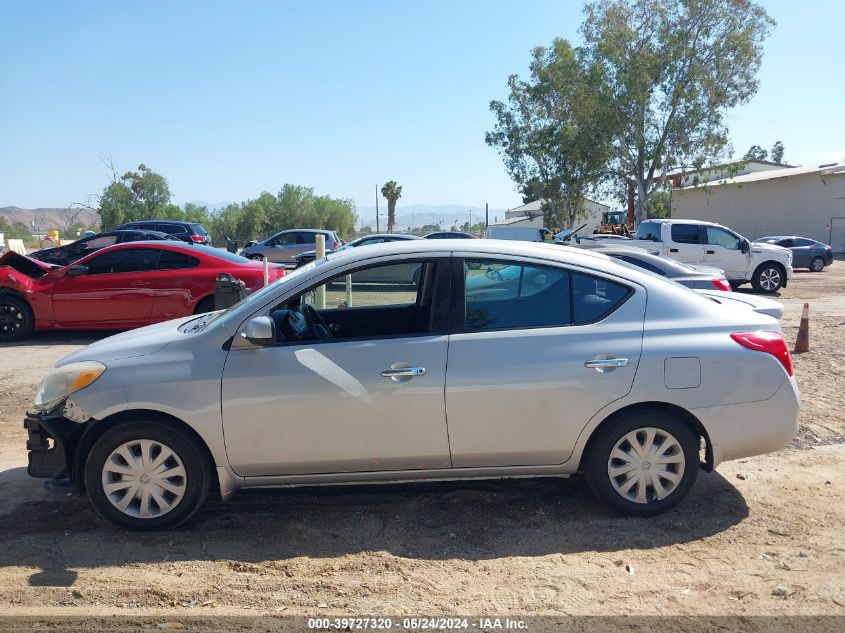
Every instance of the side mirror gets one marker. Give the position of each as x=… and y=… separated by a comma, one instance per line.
x=76, y=271
x=744, y=246
x=261, y=331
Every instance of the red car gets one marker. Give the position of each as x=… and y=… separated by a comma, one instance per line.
x=117, y=288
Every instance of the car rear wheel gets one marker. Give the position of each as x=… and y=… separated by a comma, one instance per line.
x=817, y=265
x=768, y=278
x=16, y=319
x=146, y=475
x=643, y=464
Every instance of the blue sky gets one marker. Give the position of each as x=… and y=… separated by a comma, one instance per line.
x=227, y=99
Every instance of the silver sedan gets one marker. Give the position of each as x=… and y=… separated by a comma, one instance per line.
x=494, y=359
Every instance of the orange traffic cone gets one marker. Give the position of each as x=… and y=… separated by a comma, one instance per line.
x=802, y=343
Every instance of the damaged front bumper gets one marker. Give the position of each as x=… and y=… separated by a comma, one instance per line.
x=52, y=442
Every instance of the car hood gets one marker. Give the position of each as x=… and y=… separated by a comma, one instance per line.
x=13, y=260
x=131, y=344
x=754, y=302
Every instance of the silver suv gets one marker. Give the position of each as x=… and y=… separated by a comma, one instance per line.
x=283, y=247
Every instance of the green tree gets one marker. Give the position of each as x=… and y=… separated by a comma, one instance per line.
x=777, y=152
x=136, y=195
x=670, y=70
x=756, y=153
x=392, y=192
x=660, y=204
x=546, y=133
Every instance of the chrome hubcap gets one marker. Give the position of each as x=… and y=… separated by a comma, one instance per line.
x=646, y=465
x=817, y=265
x=144, y=479
x=770, y=279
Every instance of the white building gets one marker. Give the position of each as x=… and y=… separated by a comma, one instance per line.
x=531, y=214
x=805, y=201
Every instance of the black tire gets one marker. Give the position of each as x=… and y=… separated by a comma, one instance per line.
x=817, y=265
x=598, y=462
x=735, y=284
x=196, y=481
x=764, y=280
x=205, y=305
x=16, y=319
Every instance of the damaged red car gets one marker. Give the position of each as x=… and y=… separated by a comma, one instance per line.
x=117, y=288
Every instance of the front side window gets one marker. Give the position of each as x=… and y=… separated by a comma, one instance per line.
x=391, y=285
x=390, y=300
x=685, y=234
x=124, y=261
x=723, y=238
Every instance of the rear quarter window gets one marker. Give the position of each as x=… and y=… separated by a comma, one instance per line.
x=685, y=233
x=593, y=298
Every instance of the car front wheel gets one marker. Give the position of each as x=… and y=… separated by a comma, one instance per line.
x=768, y=278
x=817, y=265
x=643, y=464
x=16, y=319
x=146, y=475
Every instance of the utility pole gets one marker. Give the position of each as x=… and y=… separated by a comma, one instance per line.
x=486, y=215
x=377, y=228
x=470, y=220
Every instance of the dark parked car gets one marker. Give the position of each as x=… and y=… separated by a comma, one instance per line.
x=367, y=240
x=66, y=255
x=449, y=235
x=698, y=277
x=283, y=247
x=190, y=232
x=806, y=253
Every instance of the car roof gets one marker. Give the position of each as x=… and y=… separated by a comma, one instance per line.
x=399, y=236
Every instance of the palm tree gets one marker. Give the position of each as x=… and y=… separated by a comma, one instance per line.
x=392, y=192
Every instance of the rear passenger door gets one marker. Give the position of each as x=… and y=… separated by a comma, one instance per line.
x=528, y=358
x=687, y=243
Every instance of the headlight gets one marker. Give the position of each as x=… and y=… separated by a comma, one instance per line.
x=63, y=381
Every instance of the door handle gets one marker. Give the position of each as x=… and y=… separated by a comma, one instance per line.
x=673, y=250
x=602, y=365
x=711, y=252
x=403, y=372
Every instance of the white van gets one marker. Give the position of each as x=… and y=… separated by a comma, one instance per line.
x=520, y=233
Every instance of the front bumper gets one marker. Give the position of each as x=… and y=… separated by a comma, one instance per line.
x=51, y=444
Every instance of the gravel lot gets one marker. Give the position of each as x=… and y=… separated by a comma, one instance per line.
x=759, y=536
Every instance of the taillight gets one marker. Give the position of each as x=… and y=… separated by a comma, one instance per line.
x=721, y=284
x=197, y=238
x=768, y=342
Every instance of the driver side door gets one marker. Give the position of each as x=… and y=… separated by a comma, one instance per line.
x=340, y=403
x=723, y=250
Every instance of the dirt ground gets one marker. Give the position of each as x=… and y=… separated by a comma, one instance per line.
x=761, y=536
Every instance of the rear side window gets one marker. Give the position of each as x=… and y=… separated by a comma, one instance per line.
x=800, y=241
x=173, y=229
x=500, y=295
x=639, y=263
x=199, y=230
x=171, y=260
x=685, y=233
x=649, y=231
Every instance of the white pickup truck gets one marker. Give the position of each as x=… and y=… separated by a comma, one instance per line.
x=765, y=266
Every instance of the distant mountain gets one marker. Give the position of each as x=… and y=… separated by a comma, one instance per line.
x=43, y=219
x=421, y=214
